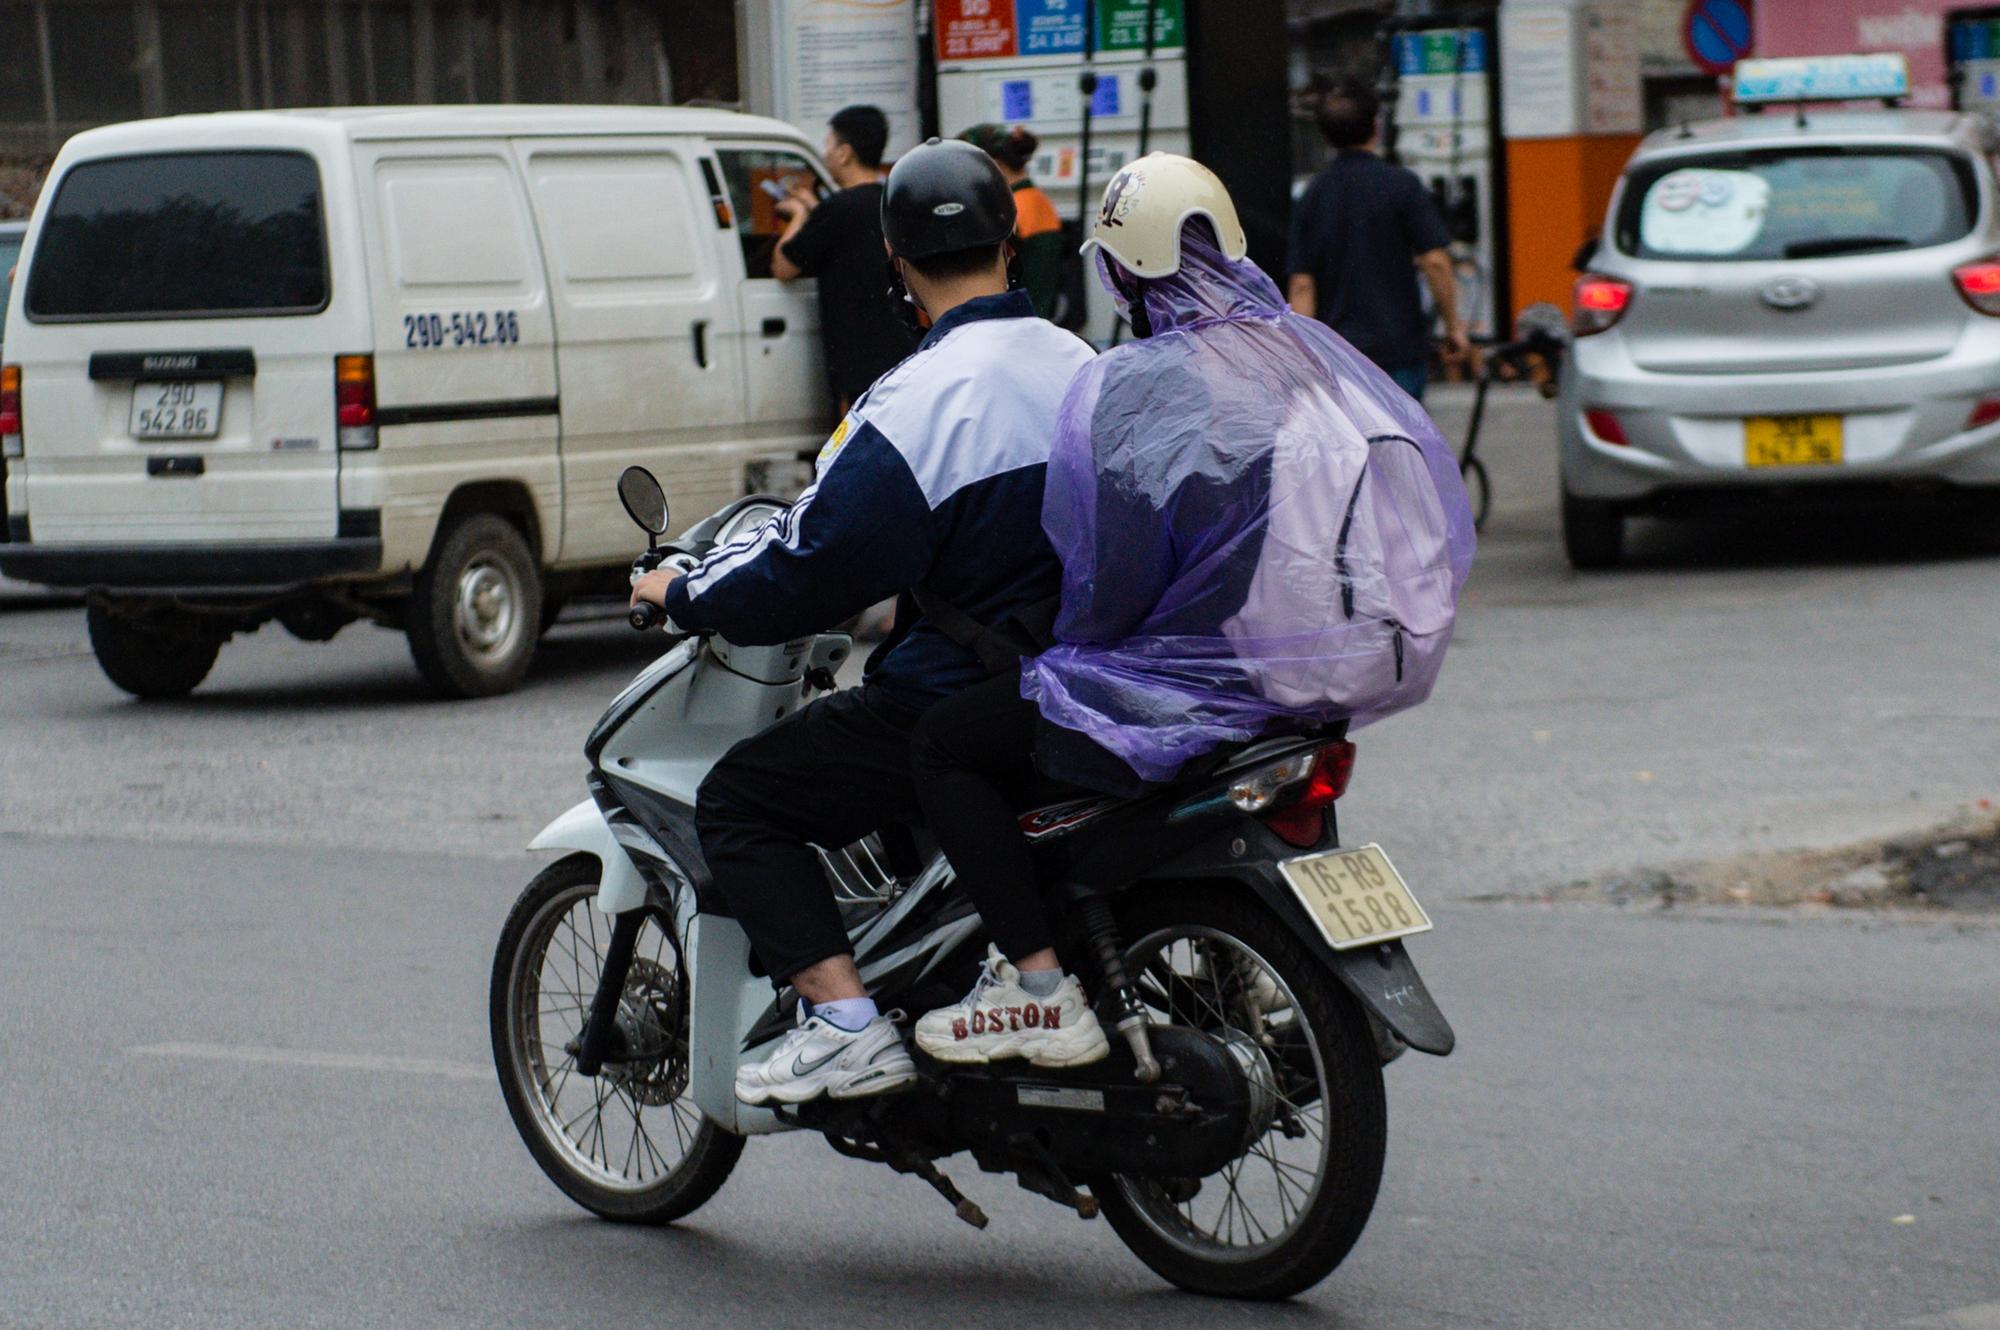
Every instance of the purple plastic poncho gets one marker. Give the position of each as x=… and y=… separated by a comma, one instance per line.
x=1258, y=529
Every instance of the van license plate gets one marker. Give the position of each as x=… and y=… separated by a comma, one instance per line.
x=1792, y=441
x=1355, y=896
x=181, y=409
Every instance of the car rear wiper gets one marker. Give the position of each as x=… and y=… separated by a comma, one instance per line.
x=1821, y=248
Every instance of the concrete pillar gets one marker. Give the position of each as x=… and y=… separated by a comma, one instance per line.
x=149, y=63
x=423, y=53
x=1570, y=114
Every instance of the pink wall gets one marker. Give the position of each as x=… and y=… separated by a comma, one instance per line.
x=1841, y=27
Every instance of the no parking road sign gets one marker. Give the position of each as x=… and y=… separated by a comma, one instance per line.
x=1716, y=33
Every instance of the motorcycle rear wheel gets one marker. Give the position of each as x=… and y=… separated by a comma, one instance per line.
x=596, y=1138
x=1287, y=1211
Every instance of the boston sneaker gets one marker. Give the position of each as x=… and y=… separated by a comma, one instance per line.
x=1000, y=1019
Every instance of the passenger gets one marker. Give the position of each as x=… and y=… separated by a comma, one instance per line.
x=1038, y=239
x=1226, y=571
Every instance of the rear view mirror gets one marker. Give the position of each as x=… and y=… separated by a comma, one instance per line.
x=645, y=502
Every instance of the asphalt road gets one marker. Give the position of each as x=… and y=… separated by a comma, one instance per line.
x=244, y=1069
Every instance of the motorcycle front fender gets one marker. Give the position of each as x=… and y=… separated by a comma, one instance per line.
x=582, y=829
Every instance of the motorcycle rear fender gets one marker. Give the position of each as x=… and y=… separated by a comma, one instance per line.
x=619, y=885
x=1382, y=978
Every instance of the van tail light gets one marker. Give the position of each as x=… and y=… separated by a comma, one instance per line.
x=1302, y=821
x=10, y=411
x=354, y=401
x=1984, y=412
x=1605, y=426
x=1979, y=283
x=1599, y=302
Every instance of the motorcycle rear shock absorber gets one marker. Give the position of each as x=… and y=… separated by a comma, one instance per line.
x=1120, y=999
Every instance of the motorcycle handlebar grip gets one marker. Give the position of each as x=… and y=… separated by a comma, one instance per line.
x=646, y=615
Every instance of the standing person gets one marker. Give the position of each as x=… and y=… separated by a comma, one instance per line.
x=1038, y=228
x=839, y=240
x=1358, y=225
x=934, y=480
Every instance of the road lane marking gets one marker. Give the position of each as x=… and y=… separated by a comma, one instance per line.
x=301, y=1057
x=1984, y=1316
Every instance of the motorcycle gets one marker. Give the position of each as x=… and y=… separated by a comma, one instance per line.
x=1253, y=971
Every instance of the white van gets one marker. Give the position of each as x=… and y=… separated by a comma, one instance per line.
x=322, y=366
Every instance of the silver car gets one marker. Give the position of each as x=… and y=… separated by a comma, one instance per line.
x=1783, y=303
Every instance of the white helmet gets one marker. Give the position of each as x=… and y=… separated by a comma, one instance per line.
x=1145, y=205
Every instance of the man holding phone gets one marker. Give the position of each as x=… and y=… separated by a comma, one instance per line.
x=838, y=239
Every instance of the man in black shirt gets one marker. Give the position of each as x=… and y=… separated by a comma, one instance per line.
x=1355, y=232
x=839, y=240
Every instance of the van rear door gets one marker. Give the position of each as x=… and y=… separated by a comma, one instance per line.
x=177, y=352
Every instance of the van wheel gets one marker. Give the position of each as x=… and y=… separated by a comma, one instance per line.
x=1593, y=532
x=151, y=653
x=476, y=609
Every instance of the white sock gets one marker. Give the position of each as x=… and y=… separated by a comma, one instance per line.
x=1041, y=983
x=849, y=1014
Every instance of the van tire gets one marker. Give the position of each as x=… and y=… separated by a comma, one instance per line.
x=1593, y=533
x=476, y=609
x=151, y=654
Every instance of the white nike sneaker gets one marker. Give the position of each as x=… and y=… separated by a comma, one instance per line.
x=1000, y=1019
x=819, y=1058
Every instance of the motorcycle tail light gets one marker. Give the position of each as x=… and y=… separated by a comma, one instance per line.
x=1979, y=283
x=10, y=411
x=1599, y=302
x=354, y=401
x=1302, y=820
x=1605, y=426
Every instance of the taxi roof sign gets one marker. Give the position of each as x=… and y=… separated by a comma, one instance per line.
x=1822, y=78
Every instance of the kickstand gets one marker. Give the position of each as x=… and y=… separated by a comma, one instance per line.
x=906, y=1160
x=1045, y=1177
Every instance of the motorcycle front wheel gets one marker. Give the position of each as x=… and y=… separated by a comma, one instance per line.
x=628, y=1144
x=1286, y=1211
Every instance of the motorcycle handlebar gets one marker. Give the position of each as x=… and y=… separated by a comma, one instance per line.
x=646, y=616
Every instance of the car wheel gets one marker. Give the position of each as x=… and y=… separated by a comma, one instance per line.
x=1593, y=532
x=476, y=610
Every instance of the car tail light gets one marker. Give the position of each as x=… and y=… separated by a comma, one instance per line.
x=10, y=411
x=1302, y=820
x=1984, y=412
x=1605, y=426
x=354, y=400
x=1979, y=283
x=1600, y=302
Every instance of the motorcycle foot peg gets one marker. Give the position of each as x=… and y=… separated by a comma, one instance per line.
x=1136, y=1029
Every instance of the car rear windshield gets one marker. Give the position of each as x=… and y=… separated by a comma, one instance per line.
x=1796, y=203
x=182, y=235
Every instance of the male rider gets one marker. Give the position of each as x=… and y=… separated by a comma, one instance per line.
x=933, y=478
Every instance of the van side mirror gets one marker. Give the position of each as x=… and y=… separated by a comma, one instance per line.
x=645, y=502
x=1586, y=254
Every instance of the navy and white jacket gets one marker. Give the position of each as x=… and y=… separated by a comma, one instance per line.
x=935, y=477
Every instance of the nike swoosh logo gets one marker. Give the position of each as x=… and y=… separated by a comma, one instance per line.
x=800, y=1067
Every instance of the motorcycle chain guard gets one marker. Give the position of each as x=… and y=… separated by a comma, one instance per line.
x=1088, y=1120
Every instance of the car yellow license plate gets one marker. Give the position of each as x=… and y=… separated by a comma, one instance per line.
x=1355, y=896
x=1792, y=441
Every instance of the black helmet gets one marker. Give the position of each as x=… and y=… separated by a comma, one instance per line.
x=943, y=197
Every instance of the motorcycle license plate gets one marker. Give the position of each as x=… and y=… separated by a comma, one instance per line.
x=1355, y=896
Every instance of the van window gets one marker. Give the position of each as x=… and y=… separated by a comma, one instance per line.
x=183, y=235
x=453, y=221
x=1796, y=203
x=620, y=219
x=748, y=171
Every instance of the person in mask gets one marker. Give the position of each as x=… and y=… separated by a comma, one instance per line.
x=1259, y=533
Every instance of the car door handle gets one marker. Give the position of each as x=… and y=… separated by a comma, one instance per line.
x=699, y=331
x=774, y=327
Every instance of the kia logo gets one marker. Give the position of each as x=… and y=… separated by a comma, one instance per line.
x=1790, y=292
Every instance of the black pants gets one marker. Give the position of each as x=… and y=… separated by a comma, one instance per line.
x=974, y=761
x=826, y=775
